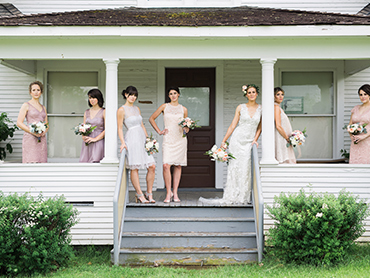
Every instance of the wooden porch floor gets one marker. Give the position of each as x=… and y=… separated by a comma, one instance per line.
x=189, y=198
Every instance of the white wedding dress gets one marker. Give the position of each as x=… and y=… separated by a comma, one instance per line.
x=238, y=185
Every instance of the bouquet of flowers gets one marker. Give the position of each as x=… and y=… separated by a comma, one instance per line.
x=151, y=145
x=355, y=129
x=187, y=122
x=38, y=128
x=297, y=138
x=84, y=129
x=219, y=154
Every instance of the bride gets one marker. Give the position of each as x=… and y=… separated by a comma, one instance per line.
x=245, y=129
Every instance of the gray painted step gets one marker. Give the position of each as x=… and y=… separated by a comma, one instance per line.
x=186, y=256
x=168, y=240
x=189, y=225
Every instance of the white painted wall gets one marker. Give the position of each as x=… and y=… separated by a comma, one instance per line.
x=331, y=178
x=45, y=6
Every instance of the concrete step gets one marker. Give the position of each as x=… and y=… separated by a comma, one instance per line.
x=189, y=224
x=188, y=239
x=186, y=256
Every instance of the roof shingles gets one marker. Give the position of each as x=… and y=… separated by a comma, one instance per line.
x=240, y=16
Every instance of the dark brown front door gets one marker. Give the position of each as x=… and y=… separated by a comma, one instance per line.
x=197, y=88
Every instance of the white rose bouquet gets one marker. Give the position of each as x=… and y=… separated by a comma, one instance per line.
x=38, y=127
x=151, y=145
x=219, y=154
x=84, y=130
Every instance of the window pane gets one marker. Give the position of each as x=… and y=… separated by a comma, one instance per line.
x=196, y=100
x=308, y=92
x=319, y=141
x=67, y=91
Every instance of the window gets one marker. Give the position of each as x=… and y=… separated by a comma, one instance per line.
x=66, y=104
x=309, y=103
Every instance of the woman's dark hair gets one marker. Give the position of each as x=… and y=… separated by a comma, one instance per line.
x=130, y=90
x=95, y=93
x=278, y=89
x=365, y=88
x=174, y=89
x=36, y=83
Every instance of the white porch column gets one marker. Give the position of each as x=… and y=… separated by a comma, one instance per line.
x=111, y=101
x=268, y=125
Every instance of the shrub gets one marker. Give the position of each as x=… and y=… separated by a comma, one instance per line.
x=7, y=129
x=34, y=233
x=315, y=228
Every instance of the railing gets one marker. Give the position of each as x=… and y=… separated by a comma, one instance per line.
x=119, y=206
x=258, y=204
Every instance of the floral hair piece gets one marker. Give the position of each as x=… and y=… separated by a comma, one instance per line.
x=246, y=87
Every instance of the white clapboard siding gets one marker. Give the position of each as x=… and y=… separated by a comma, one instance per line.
x=142, y=75
x=331, y=178
x=47, y=6
x=13, y=93
x=93, y=183
x=352, y=84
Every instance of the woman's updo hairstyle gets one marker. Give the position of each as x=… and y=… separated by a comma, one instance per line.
x=365, y=88
x=278, y=89
x=130, y=90
x=36, y=83
x=95, y=93
x=174, y=89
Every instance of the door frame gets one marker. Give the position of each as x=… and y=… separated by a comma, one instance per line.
x=219, y=104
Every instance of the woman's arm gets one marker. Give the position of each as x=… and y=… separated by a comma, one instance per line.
x=278, y=126
x=120, y=118
x=232, y=126
x=154, y=116
x=99, y=137
x=21, y=116
x=143, y=126
x=186, y=129
x=258, y=133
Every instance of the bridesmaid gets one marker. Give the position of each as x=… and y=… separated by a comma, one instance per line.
x=33, y=151
x=174, y=144
x=360, y=146
x=283, y=130
x=134, y=143
x=94, y=151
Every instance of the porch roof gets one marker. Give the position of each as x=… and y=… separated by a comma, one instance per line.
x=239, y=16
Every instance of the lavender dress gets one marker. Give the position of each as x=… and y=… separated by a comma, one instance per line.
x=360, y=153
x=32, y=150
x=94, y=152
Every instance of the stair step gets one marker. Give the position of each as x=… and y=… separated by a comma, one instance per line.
x=188, y=219
x=187, y=256
x=189, y=239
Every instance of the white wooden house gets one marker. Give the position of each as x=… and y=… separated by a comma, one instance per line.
x=319, y=56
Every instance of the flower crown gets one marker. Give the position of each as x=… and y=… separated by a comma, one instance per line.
x=246, y=87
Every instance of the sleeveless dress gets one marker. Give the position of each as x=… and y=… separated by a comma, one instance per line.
x=32, y=150
x=94, y=152
x=360, y=153
x=175, y=146
x=137, y=157
x=284, y=154
x=238, y=185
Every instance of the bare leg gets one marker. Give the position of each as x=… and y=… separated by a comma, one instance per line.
x=149, y=182
x=167, y=181
x=136, y=184
x=176, y=182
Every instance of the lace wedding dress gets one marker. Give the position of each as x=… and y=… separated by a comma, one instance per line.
x=238, y=185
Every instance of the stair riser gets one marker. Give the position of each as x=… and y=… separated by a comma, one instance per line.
x=148, y=211
x=172, y=242
x=187, y=259
x=189, y=226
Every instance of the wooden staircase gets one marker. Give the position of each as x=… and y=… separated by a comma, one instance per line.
x=188, y=234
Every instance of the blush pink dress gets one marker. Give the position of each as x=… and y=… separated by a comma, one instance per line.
x=34, y=151
x=284, y=154
x=175, y=146
x=360, y=153
x=94, y=152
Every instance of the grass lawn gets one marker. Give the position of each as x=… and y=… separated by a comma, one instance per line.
x=93, y=262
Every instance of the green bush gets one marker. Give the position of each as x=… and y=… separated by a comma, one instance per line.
x=315, y=228
x=7, y=129
x=34, y=233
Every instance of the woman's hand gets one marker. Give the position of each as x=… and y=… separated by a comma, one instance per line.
x=89, y=140
x=163, y=132
x=123, y=146
x=256, y=143
x=186, y=129
x=223, y=145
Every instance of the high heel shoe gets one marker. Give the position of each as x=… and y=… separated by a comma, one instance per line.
x=149, y=196
x=167, y=201
x=138, y=200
